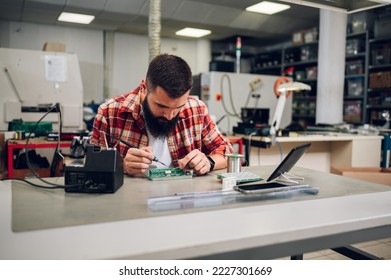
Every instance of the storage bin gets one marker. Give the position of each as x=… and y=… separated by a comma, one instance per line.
x=355, y=46
x=380, y=79
x=311, y=72
x=354, y=67
x=386, y=98
x=374, y=99
x=355, y=87
x=380, y=98
x=300, y=75
x=381, y=56
x=352, y=111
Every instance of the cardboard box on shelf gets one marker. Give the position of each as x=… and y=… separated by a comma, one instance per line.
x=305, y=36
x=298, y=38
x=371, y=174
x=53, y=47
x=310, y=35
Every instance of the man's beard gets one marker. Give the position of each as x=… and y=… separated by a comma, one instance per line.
x=159, y=127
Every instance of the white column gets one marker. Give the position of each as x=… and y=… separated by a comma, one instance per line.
x=203, y=55
x=154, y=28
x=331, y=67
x=108, y=57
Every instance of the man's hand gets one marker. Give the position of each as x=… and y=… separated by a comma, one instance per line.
x=197, y=161
x=137, y=161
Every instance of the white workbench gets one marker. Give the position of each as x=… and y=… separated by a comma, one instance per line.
x=52, y=224
x=327, y=149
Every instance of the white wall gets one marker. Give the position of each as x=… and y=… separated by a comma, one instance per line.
x=129, y=54
x=130, y=62
x=87, y=44
x=4, y=34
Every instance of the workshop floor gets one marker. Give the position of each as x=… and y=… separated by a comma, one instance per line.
x=379, y=248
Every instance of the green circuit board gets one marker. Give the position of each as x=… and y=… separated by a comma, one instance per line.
x=160, y=174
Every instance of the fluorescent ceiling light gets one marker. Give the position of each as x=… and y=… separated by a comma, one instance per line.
x=345, y=6
x=76, y=18
x=268, y=8
x=193, y=32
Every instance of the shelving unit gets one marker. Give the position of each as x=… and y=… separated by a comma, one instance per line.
x=268, y=63
x=368, y=78
x=300, y=63
x=367, y=90
x=379, y=79
x=224, y=56
x=356, y=78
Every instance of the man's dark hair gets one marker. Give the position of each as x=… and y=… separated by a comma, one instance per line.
x=171, y=73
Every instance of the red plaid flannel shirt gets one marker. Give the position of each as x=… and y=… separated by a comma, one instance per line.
x=122, y=117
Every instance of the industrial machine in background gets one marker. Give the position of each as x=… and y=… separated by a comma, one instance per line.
x=243, y=103
x=31, y=81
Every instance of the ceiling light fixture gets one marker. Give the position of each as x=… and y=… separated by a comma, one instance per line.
x=343, y=6
x=193, y=32
x=76, y=18
x=267, y=8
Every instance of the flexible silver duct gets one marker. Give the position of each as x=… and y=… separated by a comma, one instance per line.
x=154, y=28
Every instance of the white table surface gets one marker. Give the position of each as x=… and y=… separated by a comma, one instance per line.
x=345, y=211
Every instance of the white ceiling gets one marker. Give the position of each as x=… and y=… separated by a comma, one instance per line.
x=226, y=18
